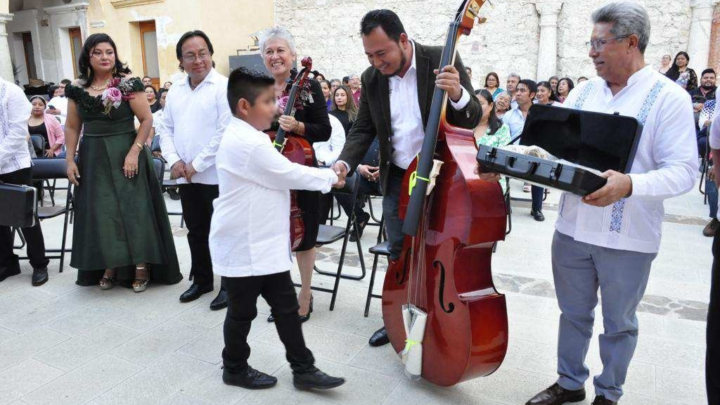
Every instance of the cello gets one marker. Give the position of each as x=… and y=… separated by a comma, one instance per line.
x=297, y=150
x=452, y=220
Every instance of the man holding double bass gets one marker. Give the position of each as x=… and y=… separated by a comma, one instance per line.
x=394, y=105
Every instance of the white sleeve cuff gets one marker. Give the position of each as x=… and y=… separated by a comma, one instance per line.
x=463, y=102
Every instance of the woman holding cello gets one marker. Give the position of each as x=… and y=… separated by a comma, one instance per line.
x=310, y=122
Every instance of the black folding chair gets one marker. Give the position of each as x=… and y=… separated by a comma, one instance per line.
x=328, y=234
x=380, y=249
x=38, y=143
x=53, y=169
x=155, y=147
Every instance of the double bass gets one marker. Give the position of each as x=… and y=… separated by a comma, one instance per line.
x=297, y=150
x=451, y=224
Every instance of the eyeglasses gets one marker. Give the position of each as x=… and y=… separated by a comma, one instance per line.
x=599, y=43
x=190, y=58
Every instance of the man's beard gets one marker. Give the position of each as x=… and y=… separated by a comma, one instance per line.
x=708, y=87
x=403, y=61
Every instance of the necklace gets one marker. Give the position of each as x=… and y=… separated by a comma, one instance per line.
x=100, y=88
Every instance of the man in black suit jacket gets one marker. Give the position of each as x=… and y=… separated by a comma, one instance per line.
x=395, y=103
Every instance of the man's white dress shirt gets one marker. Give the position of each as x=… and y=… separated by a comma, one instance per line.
x=193, y=122
x=714, y=138
x=665, y=165
x=250, y=229
x=405, y=116
x=328, y=152
x=14, y=115
x=60, y=103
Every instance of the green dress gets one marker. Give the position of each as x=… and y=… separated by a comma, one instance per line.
x=119, y=222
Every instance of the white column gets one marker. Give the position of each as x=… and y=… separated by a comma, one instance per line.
x=700, y=29
x=6, y=71
x=547, y=51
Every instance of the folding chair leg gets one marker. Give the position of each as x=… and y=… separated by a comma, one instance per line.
x=372, y=284
x=64, y=240
x=22, y=238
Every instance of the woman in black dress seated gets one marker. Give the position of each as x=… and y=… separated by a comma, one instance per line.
x=344, y=108
x=311, y=121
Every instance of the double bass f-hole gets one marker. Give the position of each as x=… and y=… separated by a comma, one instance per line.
x=441, y=290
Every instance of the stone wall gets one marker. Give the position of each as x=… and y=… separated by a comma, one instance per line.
x=327, y=30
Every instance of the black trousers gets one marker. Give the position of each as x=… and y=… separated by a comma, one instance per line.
x=33, y=235
x=197, y=205
x=279, y=292
x=537, y=197
x=365, y=187
x=712, y=359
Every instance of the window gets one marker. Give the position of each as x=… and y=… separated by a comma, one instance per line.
x=29, y=55
x=148, y=40
x=76, y=44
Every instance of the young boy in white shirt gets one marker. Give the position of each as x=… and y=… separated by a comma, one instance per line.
x=250, y=234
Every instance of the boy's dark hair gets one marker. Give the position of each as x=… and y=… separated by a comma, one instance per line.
x=248, y=84
x=531, y=85
x=704, y=72
x=65, y=81
x=385, y=19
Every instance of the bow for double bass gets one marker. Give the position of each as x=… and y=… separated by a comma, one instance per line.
x=441, y=310
x=297, y=149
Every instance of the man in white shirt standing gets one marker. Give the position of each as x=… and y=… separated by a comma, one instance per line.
x=15, y=168
x=195, y=116
x=609, y=239
x=250, y=236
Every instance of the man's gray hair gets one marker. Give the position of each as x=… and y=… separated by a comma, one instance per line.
x=627, y=19
x=276, y=33
x=514, y=75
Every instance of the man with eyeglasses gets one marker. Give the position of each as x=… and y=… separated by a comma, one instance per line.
x=195, y=116
x=609, y=239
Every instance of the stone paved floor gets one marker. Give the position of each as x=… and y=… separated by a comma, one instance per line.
x=64, y=344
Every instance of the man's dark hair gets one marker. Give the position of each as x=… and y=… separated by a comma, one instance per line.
x=710, y=70
x=531, y=85
x=346, y=80
x=385, y=19
x=185, y=37
x=65, y=81
x=468, y=68
x=248, y=84
x=147, y=77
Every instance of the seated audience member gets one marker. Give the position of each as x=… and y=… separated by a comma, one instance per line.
x=346, y=81
x=704, y=93
x=334, y=84
x=355, y=88
x=147, y=81
x=57, y=105
x=492, y=84
x=491, y=131
x=325, y=85
x=327, y=153
x=564, y=87
x=344, y=107
x=167, y=85
x=545, y=95
x=502, y=104
x=47, y=126
x=706, y=117
x=151, y=94
x=582, y=79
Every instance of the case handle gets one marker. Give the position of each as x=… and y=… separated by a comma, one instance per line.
x=510, y=161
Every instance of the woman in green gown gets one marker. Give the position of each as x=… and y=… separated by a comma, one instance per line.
x=121, y=231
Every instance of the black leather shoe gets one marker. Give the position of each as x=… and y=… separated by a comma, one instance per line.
x=250, y=379
x=6, y=272
x=557, y=395
x=379, y=338
x=220, y=301
x=362, y=223
x=538, y=215
x=194, y=292
x=39, y=277
x=601, y=400
x=316, y=380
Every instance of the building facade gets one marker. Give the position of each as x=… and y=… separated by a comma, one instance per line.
x=534, y=38
x=44, y=37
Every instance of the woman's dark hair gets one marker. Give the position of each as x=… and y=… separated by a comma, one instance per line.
x=494, y=122
x=350, y=106
x=185, y=37
x=150, y=86
x=552, y=77
x=385, y=19
x=161, y=91
x=674, y=72
x=495, y=75
x=86, y=73
x=548, y=86
x=41, y=98
x=569, y=82
x=51, y=91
